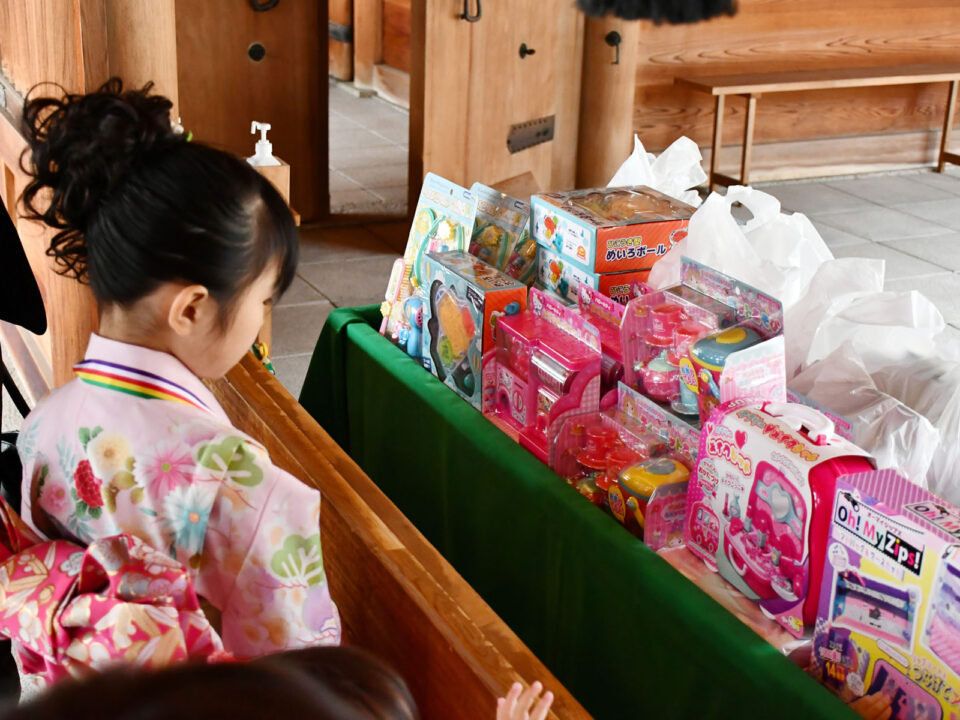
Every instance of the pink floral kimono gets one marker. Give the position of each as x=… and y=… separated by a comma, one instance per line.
x=137, y=444
x=70, y=610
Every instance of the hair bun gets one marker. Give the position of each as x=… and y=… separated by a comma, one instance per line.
x=82, y=147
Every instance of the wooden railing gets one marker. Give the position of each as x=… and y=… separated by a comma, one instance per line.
x=397, y=596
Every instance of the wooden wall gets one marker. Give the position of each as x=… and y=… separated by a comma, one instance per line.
x=222, y=89
x=856, y=129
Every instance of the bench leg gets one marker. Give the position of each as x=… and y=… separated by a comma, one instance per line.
x=945, y=155
x=717, y=139
x=747, y=151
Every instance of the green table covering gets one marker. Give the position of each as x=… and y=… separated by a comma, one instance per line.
x=627, y=634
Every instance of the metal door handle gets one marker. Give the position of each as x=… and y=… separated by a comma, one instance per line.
x=466, y=12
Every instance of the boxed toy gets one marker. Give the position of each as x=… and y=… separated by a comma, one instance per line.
x=443, y=221
x=889, y=616
x=758, y=510
x=499, y=231
x=605, y=314
x=609, y=230
x=547, y=367
x=563, y=277
x=465, y=299
x=708, y=341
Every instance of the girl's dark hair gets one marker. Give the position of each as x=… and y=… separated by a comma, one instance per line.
x=326, y=683
x=136, y=204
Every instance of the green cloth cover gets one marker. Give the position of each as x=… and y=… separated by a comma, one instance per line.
x=627, y=634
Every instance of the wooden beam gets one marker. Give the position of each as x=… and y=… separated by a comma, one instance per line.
x=367, y=40
x=717, y=140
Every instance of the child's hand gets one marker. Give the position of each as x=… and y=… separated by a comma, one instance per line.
x=516, y=705
x=872, y=707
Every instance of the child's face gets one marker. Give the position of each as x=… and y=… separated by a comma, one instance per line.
x=223, y=349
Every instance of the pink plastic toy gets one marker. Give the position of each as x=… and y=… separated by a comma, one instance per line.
x=606, y=315
x=759, y=506
x=548, y=366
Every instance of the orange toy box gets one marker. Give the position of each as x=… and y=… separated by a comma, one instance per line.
x=464, y=299
x=609, y=230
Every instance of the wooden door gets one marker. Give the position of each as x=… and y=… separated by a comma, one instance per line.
x=223, y=86
x=477, y=85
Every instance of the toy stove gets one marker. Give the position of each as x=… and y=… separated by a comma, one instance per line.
x=875, y=609
x=943, y=630
x=765, y=546
x=909, y=700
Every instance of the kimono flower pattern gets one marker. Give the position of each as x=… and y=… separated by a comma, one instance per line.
x=138, y=445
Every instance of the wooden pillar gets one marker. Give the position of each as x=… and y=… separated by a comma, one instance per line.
x=606, y=100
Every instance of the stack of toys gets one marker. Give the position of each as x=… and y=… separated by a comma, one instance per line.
x=606, y=238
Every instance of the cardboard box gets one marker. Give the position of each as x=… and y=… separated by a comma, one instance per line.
x=609, y=230
x=561, y=276
x=889, y=614
x=464, y=299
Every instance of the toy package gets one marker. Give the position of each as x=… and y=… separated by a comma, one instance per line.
x=710, y=340
x=443, y=221
x=758, y=510
x=563, y=277
x=609, y=230
x=547, y=367
x=605, y=314
x=465, y=298
x=889, y=615
x=499, y=231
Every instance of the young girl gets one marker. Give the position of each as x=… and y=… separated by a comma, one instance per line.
x=183, y=246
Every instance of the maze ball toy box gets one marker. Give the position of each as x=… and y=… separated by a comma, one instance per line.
x=443, y=221
x=609, y=230
x=464, y=299
x=563, y=277
x=889, y=616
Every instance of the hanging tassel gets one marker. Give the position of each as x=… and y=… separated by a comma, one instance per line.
x=669, y=11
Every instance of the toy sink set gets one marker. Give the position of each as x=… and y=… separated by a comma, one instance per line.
x=547, y=365
x=607, y=238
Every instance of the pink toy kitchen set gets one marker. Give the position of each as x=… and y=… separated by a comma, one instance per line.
x=889, y=615
x=758, y=510
x=634, y=459
x=548, y=363
x=707, y=341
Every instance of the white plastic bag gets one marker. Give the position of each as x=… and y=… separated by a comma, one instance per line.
x=931, y=386
x=673, y=173
x=894, y=434
x=885, y=328
x=773, y=252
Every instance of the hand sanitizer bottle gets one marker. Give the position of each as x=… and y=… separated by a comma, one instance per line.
x=263, y=156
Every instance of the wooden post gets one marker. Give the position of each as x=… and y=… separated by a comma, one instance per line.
x=747, y=149
x=367, y=40
x=606, y=100
x=944, y=156
x=717, y=139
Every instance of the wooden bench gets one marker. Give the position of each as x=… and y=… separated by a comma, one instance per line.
x=397, y=595
x=752, y=86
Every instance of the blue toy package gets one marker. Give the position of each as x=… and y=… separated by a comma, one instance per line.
x=443, y=222
x=499, y=226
